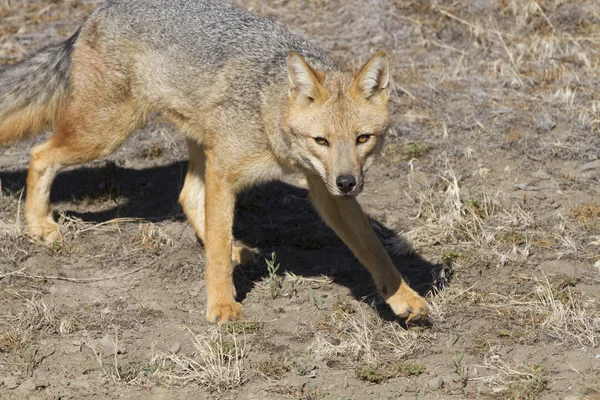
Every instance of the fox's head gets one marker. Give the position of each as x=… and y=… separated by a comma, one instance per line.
x=337, y=120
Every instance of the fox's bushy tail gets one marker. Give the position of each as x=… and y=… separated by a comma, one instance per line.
x=33, y=91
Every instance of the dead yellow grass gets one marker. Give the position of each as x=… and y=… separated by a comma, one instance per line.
x=11, y=340
x=365, y=337
x=588, y=215
x=557, y=312
x=216, y=363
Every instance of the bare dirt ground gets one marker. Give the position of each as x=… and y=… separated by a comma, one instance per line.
x=491, y=174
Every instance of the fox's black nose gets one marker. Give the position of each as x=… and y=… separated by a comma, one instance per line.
x=345, y=183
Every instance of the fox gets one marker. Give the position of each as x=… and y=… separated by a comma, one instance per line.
x=252, y=100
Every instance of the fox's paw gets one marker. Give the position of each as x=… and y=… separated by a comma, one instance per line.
x=243, y=255
x=47, y=231
x=221, y=313
x=406, y=303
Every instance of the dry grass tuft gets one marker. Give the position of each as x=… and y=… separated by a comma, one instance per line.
x=587, y=215
x=37, y=316
x=518, y=382
x=273, y=368
x=216, y=363
x=441, y=300
x=555, y=311
x=11, y=339
x=363, y=336
x=152, y=237
x=12, y=206
x=383, y=372
x=447, y=212
x=443, y=203
x=566, y=318
x=243, y=327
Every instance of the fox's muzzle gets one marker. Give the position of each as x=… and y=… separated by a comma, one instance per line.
x=345, y=169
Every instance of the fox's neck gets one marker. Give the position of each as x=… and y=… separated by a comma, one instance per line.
x=280, y=135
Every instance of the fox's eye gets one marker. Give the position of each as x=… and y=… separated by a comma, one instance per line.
x=363, y=139
x=322, y=142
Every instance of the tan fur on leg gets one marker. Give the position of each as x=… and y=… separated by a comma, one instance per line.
x=192, y=200
x=192, y=194
x=347, y=219
x=219, y=208
x=39, y=181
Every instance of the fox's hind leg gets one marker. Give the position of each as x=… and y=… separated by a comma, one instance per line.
x=86, y=131
x=192, y=200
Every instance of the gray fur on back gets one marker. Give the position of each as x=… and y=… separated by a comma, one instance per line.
x=209, y=32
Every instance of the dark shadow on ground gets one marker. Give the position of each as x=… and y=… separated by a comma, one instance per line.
x=274, y=217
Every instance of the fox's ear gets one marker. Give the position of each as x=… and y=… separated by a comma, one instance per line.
x=304, y=80
x=374, y=76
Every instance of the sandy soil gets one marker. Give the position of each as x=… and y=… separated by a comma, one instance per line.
x=487, y=196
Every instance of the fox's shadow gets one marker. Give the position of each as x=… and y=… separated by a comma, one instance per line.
x=275, y=217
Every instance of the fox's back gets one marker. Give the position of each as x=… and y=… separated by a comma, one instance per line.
x=208, y=32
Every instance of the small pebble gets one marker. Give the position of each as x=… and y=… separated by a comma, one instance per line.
x=11, y=382
x=175, y=347
x=107, y=344
x=472, y=372
x=312, y=373
x=544, y=122
x=72, y=350
x=29, y=385
x=436, y=383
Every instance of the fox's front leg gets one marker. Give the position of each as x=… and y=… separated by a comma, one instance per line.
x=219, y=211
x=347, y=219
